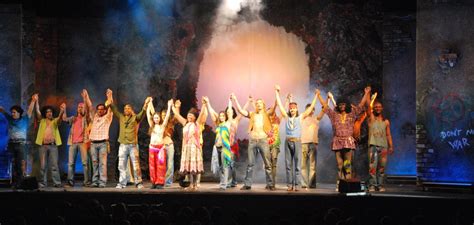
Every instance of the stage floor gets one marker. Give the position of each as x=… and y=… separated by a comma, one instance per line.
x=206, y=188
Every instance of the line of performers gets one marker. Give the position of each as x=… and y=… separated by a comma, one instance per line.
x=89, y=137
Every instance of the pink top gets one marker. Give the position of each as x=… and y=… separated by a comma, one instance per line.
x=77, y=134
x=343, y=131
x=192, y=134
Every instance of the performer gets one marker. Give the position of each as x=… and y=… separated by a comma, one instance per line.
x=259, y=130
x=309, y=146
x=77, y=142
x=169, y=147
x=17, y=132
x=380, y=143
x=99, y=138
x=343, y=143
x=156, y=152
x=293, y=138
x=226, y=123
x=274, y=140
x=128, y=139
x=48, y=138
x=191, y=153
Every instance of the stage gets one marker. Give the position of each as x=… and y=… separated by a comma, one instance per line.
x=400, y=201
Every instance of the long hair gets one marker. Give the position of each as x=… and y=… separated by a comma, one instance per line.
x=225, y=115
x=234, y=112
x=346, y=101
x=153, y=122
x=297, y=112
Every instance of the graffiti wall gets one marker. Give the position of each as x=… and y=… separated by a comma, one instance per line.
x=444, y=92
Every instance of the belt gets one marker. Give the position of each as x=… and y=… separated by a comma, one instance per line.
x=99, y=141
x=293, y=139
x=157, y=146
x=52, y=143
x=17, y=140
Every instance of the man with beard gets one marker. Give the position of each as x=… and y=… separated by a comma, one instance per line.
x=48, y=138
x=259, y=129
x=99, y=138
x=77, y=142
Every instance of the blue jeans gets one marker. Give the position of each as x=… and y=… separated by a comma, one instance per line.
x=169, y=164
x=73, y=149
x=99, y=162
x=224, y=170
x=49, y=156
x=126, y=150
x=18, y=151
x=256, y=146
x=232, y=178
x=292, y=162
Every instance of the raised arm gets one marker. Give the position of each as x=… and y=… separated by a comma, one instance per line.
x=203, y=114
x=2, y=110
x=365, y=97
x=150, y=111
x=320, y=115
x=177, y=115
x=331, y=98
x=89, y=110
x=110, y=102
x=280, y=106
x=321, y=100
x=272, y=109
x=168, y=112
x=239, y=109
x=64, y=116
x=140, y=115
x=31, y=107
x=62, y=109
x=214, y=115
x=239, y=116
x=38, y=111
x=371, y=105
x=313, y=103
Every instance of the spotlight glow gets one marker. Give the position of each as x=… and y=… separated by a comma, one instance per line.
x=250, y=59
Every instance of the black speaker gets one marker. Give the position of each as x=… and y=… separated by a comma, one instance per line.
x=183, y=182
x=28, y=183
x=349, y=186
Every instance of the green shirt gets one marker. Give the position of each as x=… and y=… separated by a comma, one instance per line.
x=128, y=126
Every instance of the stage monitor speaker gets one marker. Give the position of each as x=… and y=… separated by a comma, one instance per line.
x=349, y=186
x=28, y=183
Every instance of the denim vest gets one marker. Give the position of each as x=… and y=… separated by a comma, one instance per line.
x=294, y=132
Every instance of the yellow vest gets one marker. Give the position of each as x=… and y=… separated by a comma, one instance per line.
x=42, y=128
